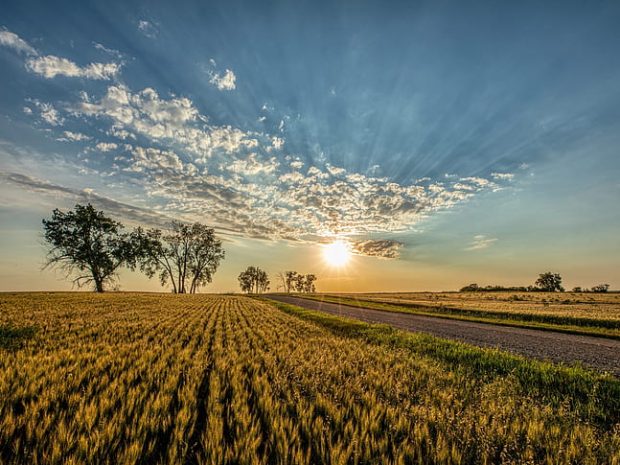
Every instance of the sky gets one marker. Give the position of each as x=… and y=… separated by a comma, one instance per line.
x=446, y=142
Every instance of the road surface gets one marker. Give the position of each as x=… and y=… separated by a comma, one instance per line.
x=597, y=352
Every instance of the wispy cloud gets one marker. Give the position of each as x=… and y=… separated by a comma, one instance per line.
x=11, y=40
x=47, y=112
x=480, y=242
x=116, y=209
x=503, y=176
x=148, y=28
x=73, y=136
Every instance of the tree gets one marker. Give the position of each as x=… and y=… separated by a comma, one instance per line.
x=253, y=279
x=291, y=276
x=187, y=255
x=549, y=282
x=246, y=281
x=600, y=288
x=309, y=283
x=470, y=288
x=300, y=283
x=86, y=243
x=577, y=289
x=282, y=279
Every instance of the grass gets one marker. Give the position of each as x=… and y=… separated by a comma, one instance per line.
x=587, y=326
x=162, y=379
x=590, y=392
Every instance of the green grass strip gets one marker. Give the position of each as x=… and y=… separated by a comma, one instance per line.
x=593, y=396
x=480, y=316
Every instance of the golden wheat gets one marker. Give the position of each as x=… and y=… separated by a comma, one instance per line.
x=130, y=379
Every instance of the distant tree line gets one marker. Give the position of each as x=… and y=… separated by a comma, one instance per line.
x=253, y=280
x=91, y=247
x=546, y=282
x=292, y=281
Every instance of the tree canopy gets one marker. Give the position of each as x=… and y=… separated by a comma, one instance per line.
x=549, y=282
x=186, y=256
x=253, y=280
x=88, y=245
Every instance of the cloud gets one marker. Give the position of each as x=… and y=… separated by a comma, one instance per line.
x=384, y=248
x=73, y=136
x=109, y=51
x=147, y=28
x=117, y=209
x=48, y=113
x=502, y=176
x=252, y=166
x=173, y=120
x=226, y=81
x=155, y=161
x=243, y=182
x=51, y=66
x=11, y=40
x=480, y=242
x=106, y=146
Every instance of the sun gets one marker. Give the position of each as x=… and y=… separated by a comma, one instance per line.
x=337, y=254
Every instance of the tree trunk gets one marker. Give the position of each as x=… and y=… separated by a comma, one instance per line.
x=98, y=285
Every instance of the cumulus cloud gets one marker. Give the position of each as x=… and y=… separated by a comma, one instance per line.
x=155, y=161
x=244, y=183
x=51, y=66
x=384, y=248
x=175, y=120
x=480, y=242
x=11, y=40
x=106, y=146
x=226, y=81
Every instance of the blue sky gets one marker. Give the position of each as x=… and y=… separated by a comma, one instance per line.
x=448, y=142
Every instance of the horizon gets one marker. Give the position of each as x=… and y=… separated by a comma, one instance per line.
x=443, y=144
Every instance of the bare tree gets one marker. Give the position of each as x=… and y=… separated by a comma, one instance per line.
x=281, y=277
x=88, y=245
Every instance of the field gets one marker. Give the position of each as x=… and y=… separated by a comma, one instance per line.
x=580, y=313
x=147, y=378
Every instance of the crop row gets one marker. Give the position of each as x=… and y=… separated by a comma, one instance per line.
x=133, y=379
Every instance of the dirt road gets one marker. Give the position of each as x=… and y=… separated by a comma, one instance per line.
x=600, y=353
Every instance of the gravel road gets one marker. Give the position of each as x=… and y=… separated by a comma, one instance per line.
x=597, y=352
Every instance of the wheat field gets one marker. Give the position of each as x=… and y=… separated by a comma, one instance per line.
x=162, y=379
